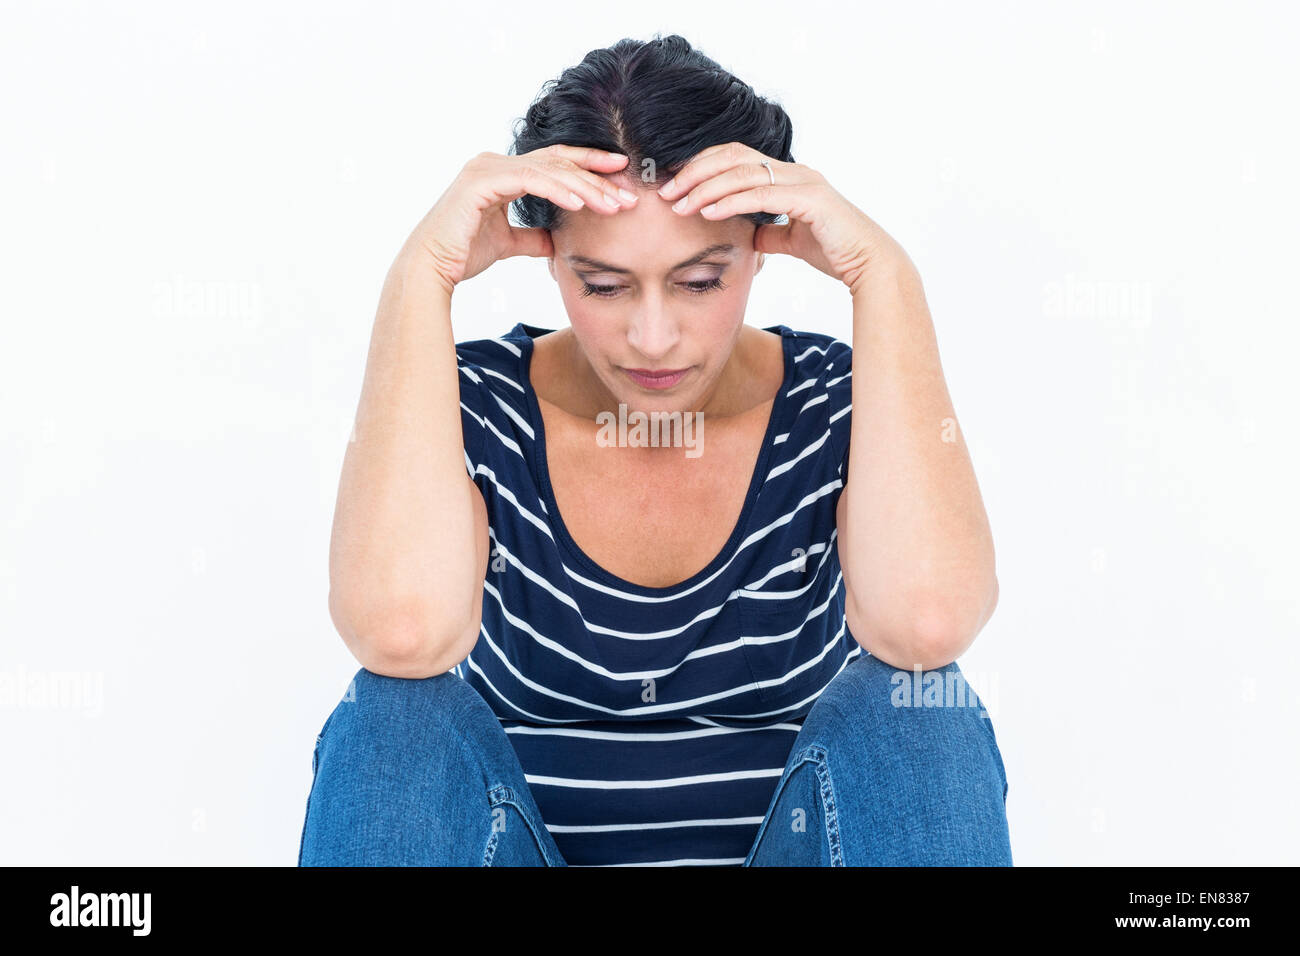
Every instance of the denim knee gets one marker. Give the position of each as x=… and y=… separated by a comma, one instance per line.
x=801, y=826
x=417, y=760
x=911, y=770
x=377, y=708
x=929, y=708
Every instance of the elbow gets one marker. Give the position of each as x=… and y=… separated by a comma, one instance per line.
x=938, y=639
x=918, y=650
x=403, y=639
x=942, y=633
x=938, y=634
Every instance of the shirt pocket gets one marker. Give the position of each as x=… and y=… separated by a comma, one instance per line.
x=785, y=644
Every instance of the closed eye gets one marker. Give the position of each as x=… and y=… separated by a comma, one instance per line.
x=700, y=287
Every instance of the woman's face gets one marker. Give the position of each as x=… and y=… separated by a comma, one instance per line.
x=649, y=290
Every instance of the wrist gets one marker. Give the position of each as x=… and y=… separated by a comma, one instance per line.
x=884, y=272
x=414, y=263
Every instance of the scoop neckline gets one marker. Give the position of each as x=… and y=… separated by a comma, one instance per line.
x=539, y=464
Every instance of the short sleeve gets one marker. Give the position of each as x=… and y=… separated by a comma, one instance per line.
x=494, y=415
x=839, y=392
x=474, y=401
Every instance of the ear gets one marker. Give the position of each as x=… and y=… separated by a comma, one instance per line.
x=762, y=257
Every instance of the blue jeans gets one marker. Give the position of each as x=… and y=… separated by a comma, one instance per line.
x=877, y=776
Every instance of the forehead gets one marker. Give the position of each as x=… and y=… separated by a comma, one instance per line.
x=646, y=238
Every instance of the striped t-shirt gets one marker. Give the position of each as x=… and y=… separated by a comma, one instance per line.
x=653, y=724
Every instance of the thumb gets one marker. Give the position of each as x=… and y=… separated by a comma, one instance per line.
x=773, y=237
x=530, y=242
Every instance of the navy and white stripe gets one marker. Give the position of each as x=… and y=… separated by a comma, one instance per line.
x=653, y=724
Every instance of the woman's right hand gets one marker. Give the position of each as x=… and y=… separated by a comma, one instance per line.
x=468, y=229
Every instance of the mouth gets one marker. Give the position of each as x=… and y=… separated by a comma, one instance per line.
x=656, y=378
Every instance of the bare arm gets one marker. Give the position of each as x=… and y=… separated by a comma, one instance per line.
x=915, y=543
x=409, y=548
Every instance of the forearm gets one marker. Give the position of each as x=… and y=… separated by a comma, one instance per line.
x=920, y=561
x=403, y=549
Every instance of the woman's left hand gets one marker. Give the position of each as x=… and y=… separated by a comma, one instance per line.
x=825, y=229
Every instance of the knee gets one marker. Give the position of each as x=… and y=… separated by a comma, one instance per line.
x=917, y=714
x=403, y=712
x=413, y=771
x=912, y=766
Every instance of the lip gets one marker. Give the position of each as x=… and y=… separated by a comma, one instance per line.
x=657, y=379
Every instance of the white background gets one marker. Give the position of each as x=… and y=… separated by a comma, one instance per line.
x=198, y=209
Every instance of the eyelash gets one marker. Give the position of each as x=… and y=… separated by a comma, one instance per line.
x=607, y=291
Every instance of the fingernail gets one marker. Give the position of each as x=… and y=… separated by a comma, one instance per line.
x=627, y=194
x=667, y=187
x=680, y=204
x=613, y=203
x=708, y=210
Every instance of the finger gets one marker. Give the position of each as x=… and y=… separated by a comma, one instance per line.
x=529, y=242
x=706, y=163
x=557, y=173
x=597, y=193
x=774, y=238
x=586, y=156
x=709, y=151
x=731, y=179
x=515, y=176
x=791, y=201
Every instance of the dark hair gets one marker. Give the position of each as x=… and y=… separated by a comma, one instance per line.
x=659, y=100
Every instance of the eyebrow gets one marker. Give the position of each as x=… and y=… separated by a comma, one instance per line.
x=716, y=249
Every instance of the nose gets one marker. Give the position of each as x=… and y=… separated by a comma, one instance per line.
x=653, y=331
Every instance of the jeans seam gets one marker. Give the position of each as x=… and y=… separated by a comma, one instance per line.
x=817, y=756
x=502, y=795
x=490, y=850
x=827, y=790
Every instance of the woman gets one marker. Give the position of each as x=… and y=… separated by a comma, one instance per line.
x=735, y=645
